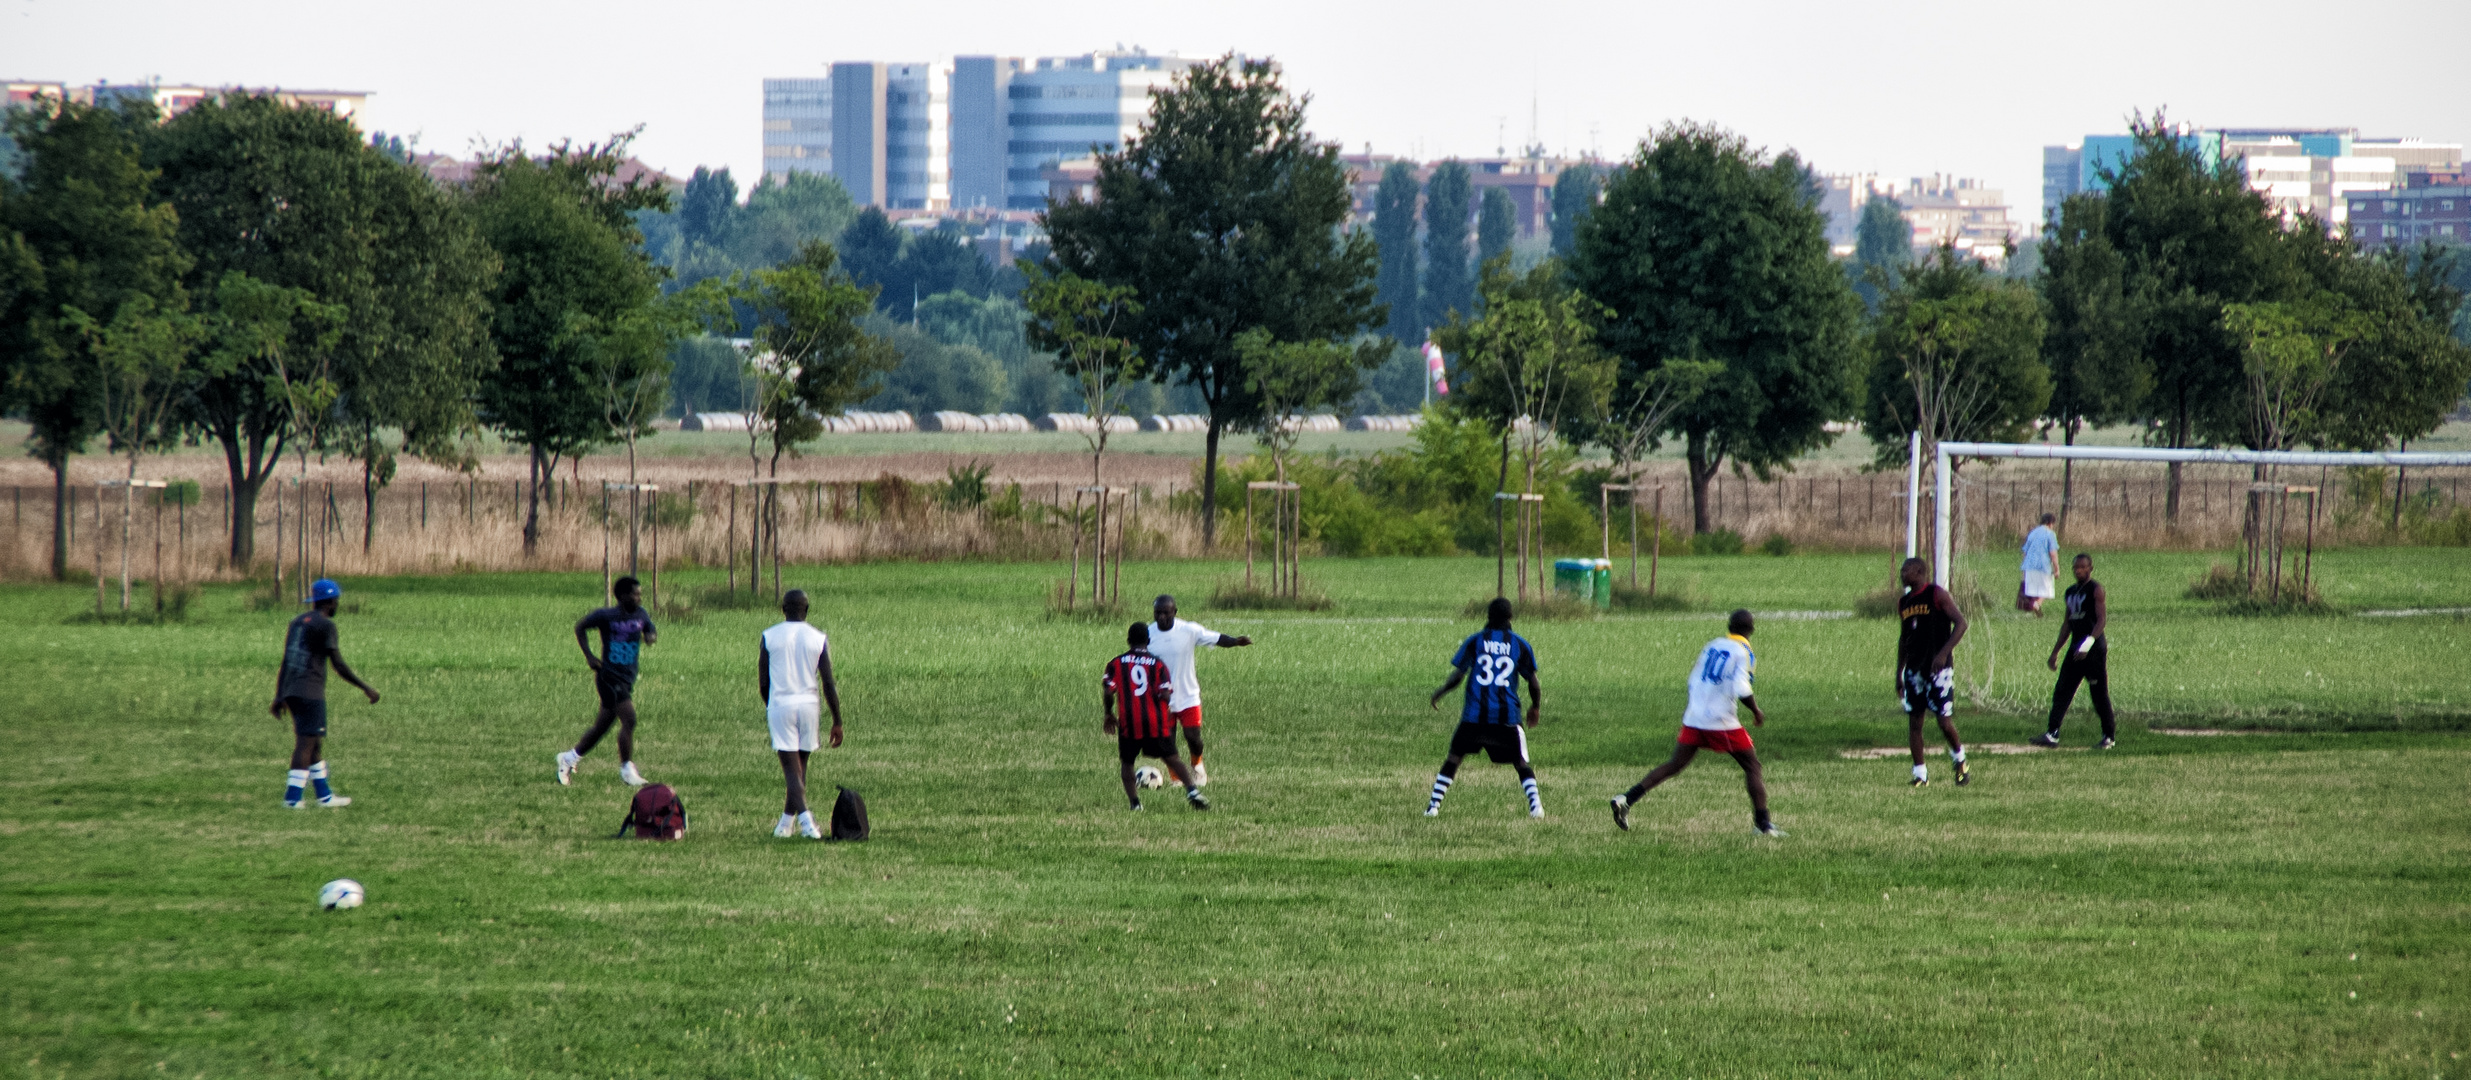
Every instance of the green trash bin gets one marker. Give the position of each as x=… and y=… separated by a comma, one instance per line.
x=1604, y=583
x=1575, y=578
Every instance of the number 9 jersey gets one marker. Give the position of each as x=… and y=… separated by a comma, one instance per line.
x=1493, y=660
x=1139, y=684
x=1718, y=682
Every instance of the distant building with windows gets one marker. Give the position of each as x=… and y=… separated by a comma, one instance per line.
x=1939, y=208
x=797, y=127
x=2315, y=171
x=2412, y=216
x=173, y=99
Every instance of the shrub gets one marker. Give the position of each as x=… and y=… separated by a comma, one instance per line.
x=1777, y=544
x=1720, y=542
x=1670, y=596
x=2219, y=582
x=1879, y=603
x=1236, y=596
x=1547, y=606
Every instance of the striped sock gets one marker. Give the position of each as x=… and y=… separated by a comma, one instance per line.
x=1535, y=801
x=1441, y=787
x=317, y=776
x=293, y=781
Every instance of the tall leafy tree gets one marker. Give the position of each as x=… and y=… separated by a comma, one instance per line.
x=293, y=198
x=1705, y=249
x=808, y=333
x=1394, y=233
x=1081, y=322
x=1575, y=192
x=1497, y=225
x=80, y=231
x=1955, y=354
x=870, y=251
x=1882, y=245
x=2381, y=325
x=1449, y=275
x=706, y=207
x=1533, y=356
x=569, y=304
x=2098, y=375
x=1226, y=215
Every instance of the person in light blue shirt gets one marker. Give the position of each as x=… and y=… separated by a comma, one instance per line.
x=2041, y=567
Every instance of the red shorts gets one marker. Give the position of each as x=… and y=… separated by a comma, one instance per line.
x=1188, y=717
x=1731, y=741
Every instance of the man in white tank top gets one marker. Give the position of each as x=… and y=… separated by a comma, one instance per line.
x=793, y=667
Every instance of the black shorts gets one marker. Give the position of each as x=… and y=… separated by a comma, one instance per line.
x=1128, y=747
x=613, y=685
x=1932, y=694
x=1506, y=744
x=308, y=716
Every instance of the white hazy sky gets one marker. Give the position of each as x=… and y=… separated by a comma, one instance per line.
x=1973, y=89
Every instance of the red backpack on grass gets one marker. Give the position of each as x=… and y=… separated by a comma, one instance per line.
x=656, y=815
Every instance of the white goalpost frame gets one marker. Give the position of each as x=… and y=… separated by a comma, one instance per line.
x=2045, y=451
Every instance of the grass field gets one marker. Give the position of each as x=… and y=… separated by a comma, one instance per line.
x=2277, y=904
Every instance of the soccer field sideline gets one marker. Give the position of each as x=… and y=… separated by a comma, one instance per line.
x=2069, y=912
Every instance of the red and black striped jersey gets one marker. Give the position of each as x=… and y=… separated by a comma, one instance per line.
x=1137, y=683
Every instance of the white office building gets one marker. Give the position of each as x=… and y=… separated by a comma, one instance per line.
x=797, y=127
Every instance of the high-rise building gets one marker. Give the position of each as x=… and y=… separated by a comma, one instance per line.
x=797, y=127
x=2298, y=170
x=1065, y=107
x=858, y=130
x=981, y=86
x=917, y=144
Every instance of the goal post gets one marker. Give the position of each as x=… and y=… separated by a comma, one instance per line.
x=1947, y=452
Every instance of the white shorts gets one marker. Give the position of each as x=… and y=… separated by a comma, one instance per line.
x=793, y=724
x=2038, y=583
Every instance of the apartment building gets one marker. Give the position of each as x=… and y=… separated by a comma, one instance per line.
x=2314, y=171
x=173, y=99
x=2438, y=213
x=797, y=127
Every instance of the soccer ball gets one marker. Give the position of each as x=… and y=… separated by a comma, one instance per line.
x=1146, y=776
x=341, y=894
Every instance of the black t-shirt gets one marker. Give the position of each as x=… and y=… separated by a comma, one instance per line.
x=1928, y=619
x=306, y=647
x=2081, y=610
x=622, y=634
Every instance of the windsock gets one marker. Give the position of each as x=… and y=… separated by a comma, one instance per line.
x=1433, y=370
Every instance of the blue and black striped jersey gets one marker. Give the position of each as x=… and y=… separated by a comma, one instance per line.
x=1493, y=659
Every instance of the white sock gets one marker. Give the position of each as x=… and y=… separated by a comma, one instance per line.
x=805, y=817
x=1957, y=756
x=1921, y=772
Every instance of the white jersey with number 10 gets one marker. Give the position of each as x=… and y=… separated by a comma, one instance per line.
x=1718, y=682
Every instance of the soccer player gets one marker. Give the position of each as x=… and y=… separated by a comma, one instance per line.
x=625, y=630
x=1489, y=721
x=2041, y=567
x=2088, y=662
x=300, y=689
x=1137, y=709
x=1175, y=643
x=1719, y=681
x=793, y=664
x=1925, y=667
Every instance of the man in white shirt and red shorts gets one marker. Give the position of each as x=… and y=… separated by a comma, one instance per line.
x=1176, y=643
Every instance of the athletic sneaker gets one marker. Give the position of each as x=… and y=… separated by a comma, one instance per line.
x=1621, y=813
x=808, y=828
x=1137, y=808
x=2108, y=742
x=1921, y=781
x=787, y=826
x=1964, y=775
x=1201, y=775
x=292, y=804
x=2046, y=739
x=568, y=760
x=1536, y=813
x=1198, y=801
x=335, y=802
x=635, y=779
x=1771, y=832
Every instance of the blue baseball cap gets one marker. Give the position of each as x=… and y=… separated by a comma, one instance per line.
x=323, y=589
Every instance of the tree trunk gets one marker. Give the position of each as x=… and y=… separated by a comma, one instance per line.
x=59, y=517
x=2179, y=439
x=1209, y=486
x=2067, y=474
x=532, y=505
x=368, y=488
x=1701, y=471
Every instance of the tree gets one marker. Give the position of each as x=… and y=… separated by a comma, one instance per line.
x=141, y=355
x=2398, y=371
x=1291, y=378
x=1882, y=245
x=1574, y=196
x=807, y=332
x=1704, y=249
x=871, y=252
x=1448, y=279
x=1226, y=215
x=1956, y=354
x=706, y=208
x=2098, y=375
x=1394, y=234
x=295, y=199
x=1497, y=225
x=80, y=231
x=569, y=305
x=2293, y=353
x=1082, y=323
x=934, y=376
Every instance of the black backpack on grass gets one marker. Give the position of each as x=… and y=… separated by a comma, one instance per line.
x=849, y=816
x=656, y=814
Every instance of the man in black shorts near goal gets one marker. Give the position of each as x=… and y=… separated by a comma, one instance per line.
x=1928, y=629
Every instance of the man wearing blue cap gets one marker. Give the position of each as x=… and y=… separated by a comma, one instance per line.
x=301, y=690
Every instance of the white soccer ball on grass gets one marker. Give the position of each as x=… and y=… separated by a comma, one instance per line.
x=1148, y=776
x=341, y=894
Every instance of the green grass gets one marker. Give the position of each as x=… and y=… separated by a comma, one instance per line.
x=2177, y=907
